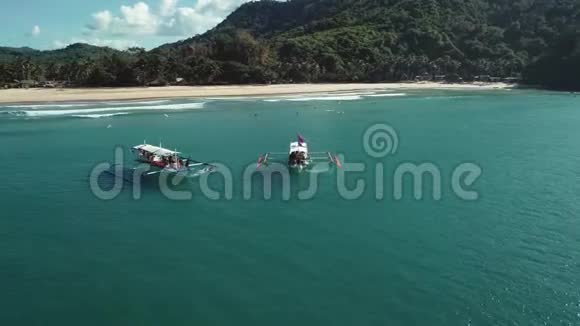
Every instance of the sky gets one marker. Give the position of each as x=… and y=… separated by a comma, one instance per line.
x=120, y=24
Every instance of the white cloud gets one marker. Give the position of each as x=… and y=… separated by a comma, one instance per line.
x=35, y=30
x=167, y=8
x=205, y=15
x=171, y=20
x=114, y=43
x=102, y=20
x=218, y=7
x=132, y=20
x=138, y=17
x=188, y=22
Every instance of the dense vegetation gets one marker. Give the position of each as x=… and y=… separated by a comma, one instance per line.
x=560, y=67
x=337, y=41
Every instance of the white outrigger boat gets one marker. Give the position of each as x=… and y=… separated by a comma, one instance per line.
x=299, y=157
x=168, y=161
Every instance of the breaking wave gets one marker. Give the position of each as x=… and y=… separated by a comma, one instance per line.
x=327, y=98
x=346, y=96
x=349, y=93
x=40, y=106
x=317, y=98
x=81, y=104
x=94, y=112
x=136, y=103
x=388, y=95
x=97, y=116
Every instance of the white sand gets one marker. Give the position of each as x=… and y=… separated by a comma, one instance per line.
x=140, y=93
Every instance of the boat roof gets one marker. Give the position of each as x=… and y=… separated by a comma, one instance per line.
x=156, y=150
x=298, y=147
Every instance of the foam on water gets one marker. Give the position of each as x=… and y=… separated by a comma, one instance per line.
x=48, y=113
x=40, y=106
x=349, y=93
x=318, y=98
x=82, y=104
x=136, y=103
x=327, y=98
x=233, y=98
x=97, y=116
x=387, y=95
x=289, y=97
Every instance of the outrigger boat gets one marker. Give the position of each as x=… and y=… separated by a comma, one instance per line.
x=299, y=157
x=168, y=161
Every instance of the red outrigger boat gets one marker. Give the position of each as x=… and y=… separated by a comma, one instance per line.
x=165, y=160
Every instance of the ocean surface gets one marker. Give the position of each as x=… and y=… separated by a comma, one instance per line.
x=502, y=249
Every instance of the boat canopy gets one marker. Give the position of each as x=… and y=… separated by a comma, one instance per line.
x=298, y=147
x=156, y=150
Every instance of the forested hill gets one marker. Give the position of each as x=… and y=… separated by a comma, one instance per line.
x=559, y=68
x=347, y=40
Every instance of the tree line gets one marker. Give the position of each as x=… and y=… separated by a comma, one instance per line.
x=333, y=41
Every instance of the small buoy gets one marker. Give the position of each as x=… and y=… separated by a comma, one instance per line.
x=109, y=126
x=166, y=115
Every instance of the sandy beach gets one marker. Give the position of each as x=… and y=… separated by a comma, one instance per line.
x=140, y=93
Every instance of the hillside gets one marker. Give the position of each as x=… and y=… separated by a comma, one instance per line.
x=559, y=68
x=374, y=40
x=73, y=63
x=344, y=40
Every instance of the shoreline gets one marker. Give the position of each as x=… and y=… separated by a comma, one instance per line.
x=63, y=95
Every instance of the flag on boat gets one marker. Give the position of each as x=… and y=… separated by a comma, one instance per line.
x=300, y=140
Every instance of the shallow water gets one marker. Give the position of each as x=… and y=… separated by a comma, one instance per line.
x=508, y=258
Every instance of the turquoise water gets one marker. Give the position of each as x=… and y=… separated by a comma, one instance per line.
x=509, y=258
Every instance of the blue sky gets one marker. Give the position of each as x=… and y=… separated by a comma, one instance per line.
x=54, y=24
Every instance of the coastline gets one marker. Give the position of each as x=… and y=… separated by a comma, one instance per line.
x=38, y=95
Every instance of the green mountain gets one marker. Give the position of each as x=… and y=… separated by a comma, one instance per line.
x=7, y=53
x=72, y=52
x=73, y=63
x=341, y=40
